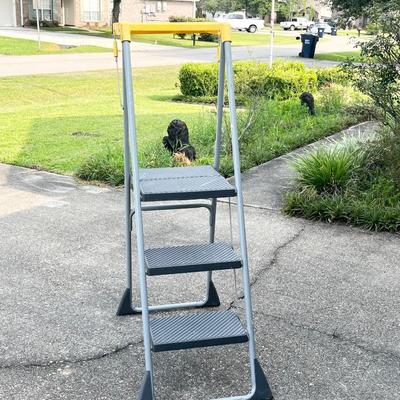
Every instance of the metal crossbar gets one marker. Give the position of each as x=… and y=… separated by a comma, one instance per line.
x=125, y=29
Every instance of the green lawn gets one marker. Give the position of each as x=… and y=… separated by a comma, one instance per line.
x=351, y=32
x=67, y=117
x=19, y=47
x=340, y=56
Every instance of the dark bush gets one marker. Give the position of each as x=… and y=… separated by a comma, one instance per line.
x=208, y=37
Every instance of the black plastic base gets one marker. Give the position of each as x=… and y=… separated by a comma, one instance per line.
x=146, y=392
x=263, y=391
x=213, y=298
x=125, y=305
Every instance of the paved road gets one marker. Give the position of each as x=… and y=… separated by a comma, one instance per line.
x=75, y=39
x=144, y=55
x=326, y=298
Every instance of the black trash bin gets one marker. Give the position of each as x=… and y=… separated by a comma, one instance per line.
x=333, y=31
x=309, y=42
x=321, y=32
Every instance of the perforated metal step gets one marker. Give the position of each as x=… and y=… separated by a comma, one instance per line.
x=184, y=183
x=196, y=330
x=191, y=258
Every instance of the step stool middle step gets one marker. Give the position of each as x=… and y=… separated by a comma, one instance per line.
x=191, y=258
x=212, y=328
x=183, y=183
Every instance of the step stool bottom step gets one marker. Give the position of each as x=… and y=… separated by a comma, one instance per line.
x=212, y=328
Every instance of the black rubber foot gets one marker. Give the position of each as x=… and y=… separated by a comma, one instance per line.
x=263, y=391
x=125, y=305
x=213, y=298
x=146, y=392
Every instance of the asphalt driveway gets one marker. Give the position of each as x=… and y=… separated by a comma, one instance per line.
x=326, y=298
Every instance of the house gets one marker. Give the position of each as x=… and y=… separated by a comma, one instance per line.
x=62, y=12
x=91, y=12
x=154, y=10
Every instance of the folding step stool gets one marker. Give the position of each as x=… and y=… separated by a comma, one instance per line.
x=199, y=329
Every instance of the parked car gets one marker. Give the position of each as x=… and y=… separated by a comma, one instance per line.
x=325, y=25
x=297, y=23
x=239, y=21
x=329, y=21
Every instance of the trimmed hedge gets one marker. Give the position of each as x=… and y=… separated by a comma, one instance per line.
x=284, y=81
x=199, y=79
x=203, y=37
x=331, y=75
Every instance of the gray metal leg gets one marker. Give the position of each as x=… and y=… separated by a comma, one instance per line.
x=213, y=299
x=125, y=306
x=240, y=213
x=130, y=115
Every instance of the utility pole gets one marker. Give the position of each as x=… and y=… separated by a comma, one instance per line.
x=271, y=55
x=36, y=6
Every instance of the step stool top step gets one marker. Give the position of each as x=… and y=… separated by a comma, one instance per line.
x=183, y=183
x=191, y=258
x=204, y=329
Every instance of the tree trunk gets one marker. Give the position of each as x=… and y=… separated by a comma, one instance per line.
x=116, y=10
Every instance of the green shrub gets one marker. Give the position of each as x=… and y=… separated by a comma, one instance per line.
x=374, y=206
x=199, y=79
x=208, y=37
x=285, y=80
x=177, y=18
x=373, y=28
x=331, y=75
x=351, y=182
x=106, y=166
x=267, y=130
x=328, y=168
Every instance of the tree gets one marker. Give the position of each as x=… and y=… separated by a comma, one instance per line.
x=357, y=8
x=378, y=76
x=116, y=10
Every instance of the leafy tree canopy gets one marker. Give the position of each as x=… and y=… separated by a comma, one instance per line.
x=287, y=8
x=357, y=8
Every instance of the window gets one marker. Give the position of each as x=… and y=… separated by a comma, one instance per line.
x=45, y=9
x=91, y=10
x=164, y=6
x=236, y=16
x=158, y=5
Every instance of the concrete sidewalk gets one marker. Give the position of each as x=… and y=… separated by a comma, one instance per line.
x=326, y=299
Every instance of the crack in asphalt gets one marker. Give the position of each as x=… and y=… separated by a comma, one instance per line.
x=269, y=265
x=333, y=335
x=72, y=361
